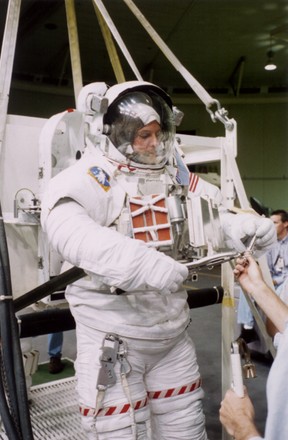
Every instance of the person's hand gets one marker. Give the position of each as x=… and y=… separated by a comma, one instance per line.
x=237, y=415
x=248, y=273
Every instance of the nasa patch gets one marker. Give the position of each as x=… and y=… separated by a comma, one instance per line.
x=101, y=177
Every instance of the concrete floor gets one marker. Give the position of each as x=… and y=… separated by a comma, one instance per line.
x=205, y=330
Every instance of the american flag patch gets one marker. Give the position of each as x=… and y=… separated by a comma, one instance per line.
x=193, y=182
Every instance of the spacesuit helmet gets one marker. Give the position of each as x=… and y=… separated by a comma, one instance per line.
x=140, y=125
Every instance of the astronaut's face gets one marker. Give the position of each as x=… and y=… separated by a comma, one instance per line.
x=142, y=129
x=146, y=141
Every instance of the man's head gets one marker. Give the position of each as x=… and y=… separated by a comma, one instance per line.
x=280, y=220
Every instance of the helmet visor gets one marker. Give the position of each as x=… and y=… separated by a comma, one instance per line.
x=142, y=128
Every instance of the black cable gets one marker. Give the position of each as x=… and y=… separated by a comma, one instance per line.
x=21, y=386
x=8, y=421
x=12, y=363
x=5, y=330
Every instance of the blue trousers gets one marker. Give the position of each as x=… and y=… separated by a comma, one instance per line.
x=55, y=342
x=244, y=314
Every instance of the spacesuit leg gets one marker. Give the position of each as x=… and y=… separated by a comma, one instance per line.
x=179, y=417
x=156, y=365
x=116, y=420
x=88, y=425
x=177, y=410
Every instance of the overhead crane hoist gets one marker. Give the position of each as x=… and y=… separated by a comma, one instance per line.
x=15, y=410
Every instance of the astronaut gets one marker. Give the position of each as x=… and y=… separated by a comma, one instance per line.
x=110, y=214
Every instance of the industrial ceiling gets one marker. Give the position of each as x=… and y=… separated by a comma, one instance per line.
x=223, y=43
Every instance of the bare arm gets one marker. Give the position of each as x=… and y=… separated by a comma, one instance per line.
x=271, y=329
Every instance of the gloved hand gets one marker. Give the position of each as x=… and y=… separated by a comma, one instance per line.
x=239, y=229
x=166, y=275
x=140, y=269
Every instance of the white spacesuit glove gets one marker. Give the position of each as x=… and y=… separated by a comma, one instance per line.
x=240, y=228
x=166, y=275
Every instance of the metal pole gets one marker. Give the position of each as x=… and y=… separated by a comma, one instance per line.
x=227, y=281
x=6, y=61
x=74, y=47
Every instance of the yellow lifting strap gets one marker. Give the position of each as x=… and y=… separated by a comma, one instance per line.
x=74, y=47
x=110, y=46
x=117, y=37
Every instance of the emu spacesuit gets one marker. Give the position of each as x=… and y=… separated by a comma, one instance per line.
x=112, y=213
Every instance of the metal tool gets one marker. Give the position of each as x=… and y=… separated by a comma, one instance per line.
x=249, y=249
x=239, y=348
x=107, y=377
x=220, y=258
x=251, y=244
x=213, y=260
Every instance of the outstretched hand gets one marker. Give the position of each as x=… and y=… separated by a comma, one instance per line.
x=248, y=273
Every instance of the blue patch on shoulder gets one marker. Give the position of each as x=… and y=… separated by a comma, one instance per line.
x=101, y=177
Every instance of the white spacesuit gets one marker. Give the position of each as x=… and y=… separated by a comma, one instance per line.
x=118, y=213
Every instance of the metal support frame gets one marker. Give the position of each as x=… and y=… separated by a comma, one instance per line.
x=221, y=149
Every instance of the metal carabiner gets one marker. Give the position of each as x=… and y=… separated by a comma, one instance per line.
x=125, y=366
x=221, y=115
x=107, y=376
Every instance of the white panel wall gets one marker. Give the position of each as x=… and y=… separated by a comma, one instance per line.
x=19, y=169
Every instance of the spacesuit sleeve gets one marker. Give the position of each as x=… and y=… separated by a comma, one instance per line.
x=238, y=228
x=116, y=260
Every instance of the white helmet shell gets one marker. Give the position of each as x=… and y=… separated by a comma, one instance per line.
x=120, y=111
